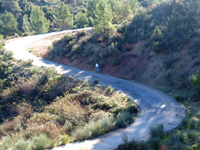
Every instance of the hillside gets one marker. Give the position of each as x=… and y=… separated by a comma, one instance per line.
x=40, y=109
x=154, y=42
x=159, y=48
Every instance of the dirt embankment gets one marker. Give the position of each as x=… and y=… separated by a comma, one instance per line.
x=139, y=63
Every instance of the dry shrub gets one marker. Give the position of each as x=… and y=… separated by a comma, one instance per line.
x=25, y=110
x=27, y=86
x=68, y=110
x=6, y=128
x=52, y=129
x=84, y=97
x=42, y=118
x=98, y=114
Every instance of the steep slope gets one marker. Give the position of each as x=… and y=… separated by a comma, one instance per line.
x=159, y=48
x=156, y=107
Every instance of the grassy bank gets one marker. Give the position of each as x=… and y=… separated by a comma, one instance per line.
x=185, y=137
x=40, y=109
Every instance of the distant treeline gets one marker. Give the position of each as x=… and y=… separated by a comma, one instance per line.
x=22, y=17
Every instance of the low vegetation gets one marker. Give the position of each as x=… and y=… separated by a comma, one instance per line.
x=40, y=109
x=185, y=137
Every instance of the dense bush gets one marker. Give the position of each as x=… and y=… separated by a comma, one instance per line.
x=132, y=145
x=195, y=80
x=94, y=128
x=123, y=119
x=170, y=25
x=43, y=106
x=157, y=131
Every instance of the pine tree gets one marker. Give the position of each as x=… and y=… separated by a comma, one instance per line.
x=133, y=4
x=11, y=6
x=39, y=23
x=91, y=7
x=26, y=24
x=157, y=34
x=8, y=23
x=156, y=38
x=103, y=18
x=63, y=17
x=81, y=20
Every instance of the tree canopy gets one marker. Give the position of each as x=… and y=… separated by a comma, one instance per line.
x=8, y=24
x=81, y=20
x=103, y=18
x=63, y=17
x=39, y=23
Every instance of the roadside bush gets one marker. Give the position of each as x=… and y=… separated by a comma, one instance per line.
x=123, y=119
x=195, y=80
x=132, y=145
x=194, y=123
x=64, y=139
x=179, y=98
x=1, y=41
x=109, y=90
x=7, y=55
x=6, y=143
x=179, y=146
x=81, y=34
x=21, y=144
x=40, y=142
x=155, y=143
x=157, y=131
x=192, y=135
x=96, y=81
x=131, y=107
x=94, y=128
x=178, y=138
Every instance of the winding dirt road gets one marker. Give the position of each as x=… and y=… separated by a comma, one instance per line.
x=156, y=107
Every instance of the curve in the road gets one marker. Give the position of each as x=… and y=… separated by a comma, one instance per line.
x=156, y=107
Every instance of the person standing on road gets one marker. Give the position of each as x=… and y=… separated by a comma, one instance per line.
x=97, y=68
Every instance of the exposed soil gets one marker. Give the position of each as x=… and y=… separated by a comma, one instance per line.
x=41, y=47
x=138, y=63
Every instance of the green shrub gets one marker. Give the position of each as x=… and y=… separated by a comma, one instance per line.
x=6, y=143
x=116, y=61
x=40, y=142
x=81, y=34
x=95, y=81
x=192, y=135
x=179, y=98
x=64, y=139
x=179, y=146
x=194, y=123
x=124, y=118
x=157, y=131
x=195, y=80
x=1, y=41
x=109, y=90
x=131, y=107
x=7, y=55
x=21, y=144
x=178, y=138
x=132, y=145
x=106, y=104
x=94, y=128
x=155, y=143
x=52, y=144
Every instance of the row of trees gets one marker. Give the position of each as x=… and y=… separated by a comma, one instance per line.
x=99, y=13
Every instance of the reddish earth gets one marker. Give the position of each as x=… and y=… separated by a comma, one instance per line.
x=139, y=63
